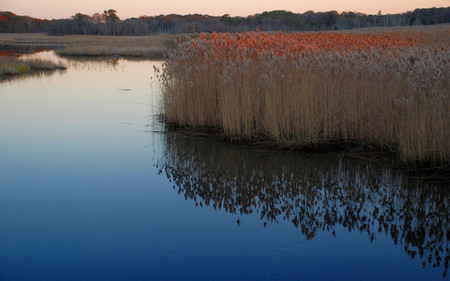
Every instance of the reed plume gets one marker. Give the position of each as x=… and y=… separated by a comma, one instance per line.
x=389, y=89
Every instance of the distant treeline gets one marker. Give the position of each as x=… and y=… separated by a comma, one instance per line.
x=108, y=23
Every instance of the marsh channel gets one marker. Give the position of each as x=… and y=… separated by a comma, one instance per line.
x=93, y=188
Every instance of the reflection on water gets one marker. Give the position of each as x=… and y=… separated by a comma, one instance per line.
x=35, y=74
x=80, y=198
x=76, y=64
x=26, y=54
x=314, y=192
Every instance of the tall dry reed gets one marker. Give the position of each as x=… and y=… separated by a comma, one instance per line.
x=390, y=89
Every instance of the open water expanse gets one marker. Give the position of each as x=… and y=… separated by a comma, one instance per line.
x=92, y=189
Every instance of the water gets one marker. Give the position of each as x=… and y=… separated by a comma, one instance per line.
x=90, y=189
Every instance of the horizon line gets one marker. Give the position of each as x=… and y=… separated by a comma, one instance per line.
x=155, y=15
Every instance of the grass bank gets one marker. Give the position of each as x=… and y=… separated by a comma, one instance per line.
x=384, y=89
x=147, y=47
x=12, y=66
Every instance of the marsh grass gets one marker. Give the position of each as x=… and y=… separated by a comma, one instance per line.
x=12, y=66
x=148, y=47
x=383, y=90
x=153, y=52
x=22, y=69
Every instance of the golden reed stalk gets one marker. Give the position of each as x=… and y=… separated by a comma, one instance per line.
x=390, y=89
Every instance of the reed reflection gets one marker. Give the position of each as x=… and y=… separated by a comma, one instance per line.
x=315, y=192
x=34, y=74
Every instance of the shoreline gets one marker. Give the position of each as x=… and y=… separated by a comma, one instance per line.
x=349, y=149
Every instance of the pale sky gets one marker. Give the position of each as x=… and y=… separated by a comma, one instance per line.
x=48, y=9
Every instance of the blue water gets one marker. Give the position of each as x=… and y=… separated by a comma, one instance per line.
x=91, y=189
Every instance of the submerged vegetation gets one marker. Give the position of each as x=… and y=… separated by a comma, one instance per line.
x=384, y=89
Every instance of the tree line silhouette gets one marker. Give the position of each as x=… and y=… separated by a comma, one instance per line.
x=108, y=23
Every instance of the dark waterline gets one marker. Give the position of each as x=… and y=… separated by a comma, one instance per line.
x=88, y=191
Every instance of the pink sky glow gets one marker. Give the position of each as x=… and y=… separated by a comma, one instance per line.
x=48, y=9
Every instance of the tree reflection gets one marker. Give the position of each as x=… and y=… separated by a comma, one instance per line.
x=315, y=192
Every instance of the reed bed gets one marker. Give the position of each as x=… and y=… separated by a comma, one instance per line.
x=384, y=89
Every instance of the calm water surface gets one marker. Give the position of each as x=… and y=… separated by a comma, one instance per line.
x=90, y=190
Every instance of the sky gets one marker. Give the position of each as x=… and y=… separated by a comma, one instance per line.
x=48, y=9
